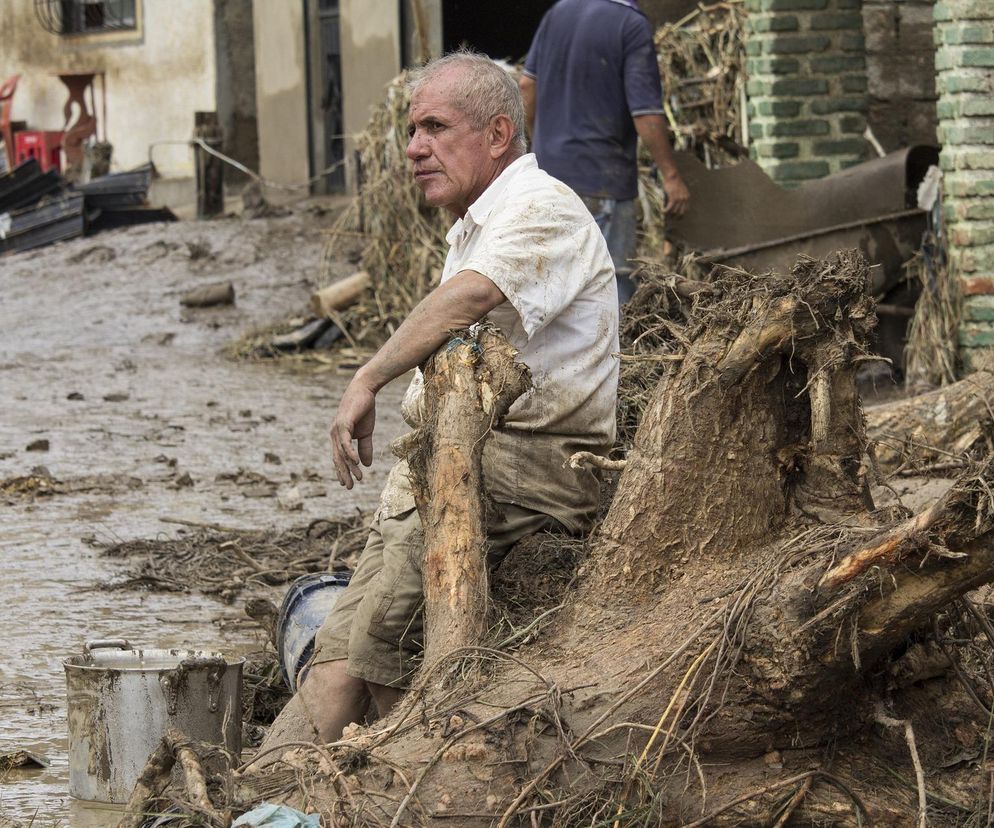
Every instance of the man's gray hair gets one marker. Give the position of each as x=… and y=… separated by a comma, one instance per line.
x=483, y=90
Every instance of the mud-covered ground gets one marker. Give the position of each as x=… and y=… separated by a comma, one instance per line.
x=128, y=402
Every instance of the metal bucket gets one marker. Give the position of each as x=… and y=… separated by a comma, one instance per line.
x=305, y=606
x=121, y=700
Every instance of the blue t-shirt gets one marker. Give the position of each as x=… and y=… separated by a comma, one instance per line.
x=595, y=67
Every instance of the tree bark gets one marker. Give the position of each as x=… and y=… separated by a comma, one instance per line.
x=933, y=428
x=470, y=384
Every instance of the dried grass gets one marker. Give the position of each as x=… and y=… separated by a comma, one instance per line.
x=931, y=352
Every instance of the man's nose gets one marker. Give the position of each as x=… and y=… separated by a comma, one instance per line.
x=416, y=147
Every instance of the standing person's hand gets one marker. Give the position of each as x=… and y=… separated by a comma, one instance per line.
x=677, y=195
x=354, y=420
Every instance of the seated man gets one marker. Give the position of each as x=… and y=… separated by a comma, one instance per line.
x=526, y=254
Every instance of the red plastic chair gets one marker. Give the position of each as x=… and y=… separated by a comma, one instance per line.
x=6, y=104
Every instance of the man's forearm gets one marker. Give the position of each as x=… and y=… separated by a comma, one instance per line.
x=462, y=301
x=652, y=130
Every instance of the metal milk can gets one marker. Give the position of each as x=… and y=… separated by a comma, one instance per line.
x=121, y=700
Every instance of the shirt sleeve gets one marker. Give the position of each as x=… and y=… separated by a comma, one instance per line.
x=643, y=89
x=535, y=51
x=539, y=256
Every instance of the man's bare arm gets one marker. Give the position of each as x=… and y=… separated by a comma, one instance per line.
x=652, y=131
x=460, y=302
x=528, y=89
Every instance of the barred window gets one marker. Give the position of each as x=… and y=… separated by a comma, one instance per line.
x=70, y=17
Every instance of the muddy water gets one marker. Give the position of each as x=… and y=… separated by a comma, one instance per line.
x=142, y=415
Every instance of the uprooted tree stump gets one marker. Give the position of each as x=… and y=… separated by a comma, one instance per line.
x=749, y=635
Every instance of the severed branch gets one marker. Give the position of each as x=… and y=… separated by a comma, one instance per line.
x=155, y=777
x=588, y=458
x=470, y=383
x=963, y=514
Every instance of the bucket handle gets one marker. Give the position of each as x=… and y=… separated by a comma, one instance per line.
x=104, y=643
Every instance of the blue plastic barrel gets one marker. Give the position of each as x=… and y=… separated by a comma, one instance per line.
x=305, y=606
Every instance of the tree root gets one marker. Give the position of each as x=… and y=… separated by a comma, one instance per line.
x=155, y=777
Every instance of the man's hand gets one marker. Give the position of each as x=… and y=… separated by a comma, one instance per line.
x=677, y=194
x=354, y=421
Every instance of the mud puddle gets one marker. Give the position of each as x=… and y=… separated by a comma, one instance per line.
x=119, y=418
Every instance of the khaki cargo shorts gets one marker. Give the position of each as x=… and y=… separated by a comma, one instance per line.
x=378, y=624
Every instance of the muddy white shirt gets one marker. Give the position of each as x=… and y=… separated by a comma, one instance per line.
x=535, y=240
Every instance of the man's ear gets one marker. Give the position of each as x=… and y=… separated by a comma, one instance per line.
x=501, y=135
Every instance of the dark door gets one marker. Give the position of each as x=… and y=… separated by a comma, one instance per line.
x=330, y=93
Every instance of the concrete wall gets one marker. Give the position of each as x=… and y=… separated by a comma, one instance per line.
x=281, y=90
x=235, y=60
x=371, y=39
x=156, y=76
x=900, y=70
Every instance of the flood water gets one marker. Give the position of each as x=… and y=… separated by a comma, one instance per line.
x=132, y=393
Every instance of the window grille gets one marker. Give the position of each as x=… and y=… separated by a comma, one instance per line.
x=69, y=17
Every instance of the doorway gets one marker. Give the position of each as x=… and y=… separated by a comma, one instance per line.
x=501, y=30
x=328, y=122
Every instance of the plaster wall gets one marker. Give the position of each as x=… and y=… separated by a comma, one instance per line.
x=156, y=76
x=371, y=38
x=281, y=90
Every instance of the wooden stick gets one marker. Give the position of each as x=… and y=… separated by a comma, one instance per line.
x=909, y=737
x=340, y=294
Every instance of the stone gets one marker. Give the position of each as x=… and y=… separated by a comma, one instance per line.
x=795, y=128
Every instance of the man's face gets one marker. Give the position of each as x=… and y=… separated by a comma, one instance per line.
x=452, y=161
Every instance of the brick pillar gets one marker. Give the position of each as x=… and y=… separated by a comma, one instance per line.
x=807, y=85
x=964, y=60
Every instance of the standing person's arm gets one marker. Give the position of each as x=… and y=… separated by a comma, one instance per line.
x=528, y=87
x=652, y=131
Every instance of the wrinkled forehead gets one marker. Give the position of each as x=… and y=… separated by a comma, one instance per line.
x=437, y=97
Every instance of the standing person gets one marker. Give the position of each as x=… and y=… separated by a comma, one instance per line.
x=591, y=88
x=526, y=254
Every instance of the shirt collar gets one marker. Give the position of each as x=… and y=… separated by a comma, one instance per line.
x=479, y=211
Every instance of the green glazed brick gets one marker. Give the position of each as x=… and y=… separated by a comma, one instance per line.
x=756, y=88
x=793, y=5
x=776, y=23
x=754, y=47
x=961, y=10
x=978, y=309
x=844, y=146
x=949, y=83
x=978, y=106
x=783, y=150
x=966, y=187
x=833, y=64
x=798, y=87
x=755, y=130
x=779, y=109
x=959, y=34
x=799, y=170
x=978, y=57
x=971, y=234
x=827, y=106
x=836, y=20
x=981, y=209
x=773, y=66
x=849, y=42
x=852, y=123
x=979, y=259
x=966, y=134
x=797, y=45
x=854, y=83
x=799, y=128
x=976, y=335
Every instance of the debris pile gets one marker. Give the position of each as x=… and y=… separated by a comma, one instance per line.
x=39, y=208
x=225, y=562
